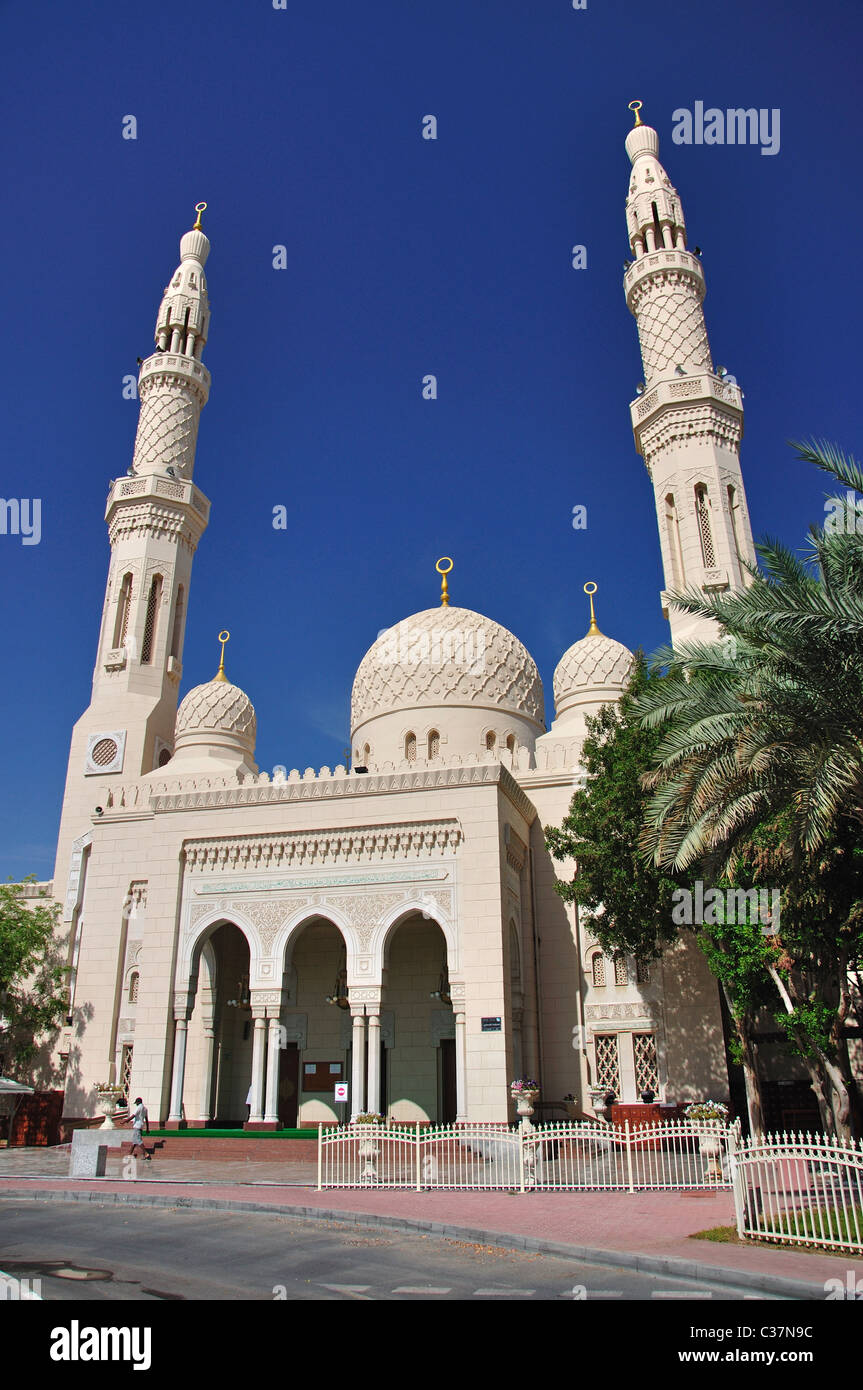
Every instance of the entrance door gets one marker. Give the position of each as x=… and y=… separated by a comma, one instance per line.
x=449, y=1103
x=289, y=1078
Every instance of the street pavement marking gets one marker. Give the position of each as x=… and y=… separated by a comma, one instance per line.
x=347, y=1288
x=504, y=1293
x=606, y=1293
x=409, y=1288
x=684, y=1293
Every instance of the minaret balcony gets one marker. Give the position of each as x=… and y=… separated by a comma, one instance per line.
x=683, y=261
x=670, y=394
x=177, y=365
x=155, y=487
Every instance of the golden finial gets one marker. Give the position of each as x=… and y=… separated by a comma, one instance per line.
x=224, y=636
x=636, y=107
x=444, y=587
x=199, y=208
x=593, y=630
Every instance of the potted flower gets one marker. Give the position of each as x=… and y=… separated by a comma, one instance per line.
x=524, y=1092
x=109, y=1095
x=706, y=1117
x=368, y=1148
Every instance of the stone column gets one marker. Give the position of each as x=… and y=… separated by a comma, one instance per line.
x=373, y=1088
x=204, y=1109
x=274, y=1054
x=178, y=1077
x=358, y=1049
x=256, y=1114
x=460, y=1070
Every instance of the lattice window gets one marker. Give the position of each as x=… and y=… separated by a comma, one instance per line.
x=133, y=987
x=608, y=1062
x=510, y=742
x=124, y=603
x=490, y=740
x=702, y=512
x=411, y=748
x=621, y=974
x=177, y=635
x=597, y=969
x=434, y=744
x=104, y=752
x=646, y=1065
x=153, y=599
x=366, y=754
x=126, y=1069
x=642, y=972
x=672, y=524
x=735, y=514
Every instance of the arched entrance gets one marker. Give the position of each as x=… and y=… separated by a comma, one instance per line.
x=421, y=1061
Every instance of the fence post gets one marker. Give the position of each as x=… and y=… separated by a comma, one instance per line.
x=419, y=1159
x=734, y=1144
x=520, y=1157
x=628, y=1157
x=320, y=1151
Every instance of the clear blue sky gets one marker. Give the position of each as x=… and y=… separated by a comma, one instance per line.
x=302, y=127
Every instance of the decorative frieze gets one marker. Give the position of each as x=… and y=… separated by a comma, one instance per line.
x=644, y=1010
x=319, y=881
x=290, y=849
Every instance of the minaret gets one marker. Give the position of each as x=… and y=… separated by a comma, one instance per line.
x=155, y=518
x=688, y=422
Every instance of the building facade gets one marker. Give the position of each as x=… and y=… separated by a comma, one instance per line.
x=243, y=941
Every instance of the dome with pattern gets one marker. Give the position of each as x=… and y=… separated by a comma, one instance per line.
x=595, y=663
x=447, y=656
x=216, y=708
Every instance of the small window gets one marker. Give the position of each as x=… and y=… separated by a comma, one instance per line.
x=642, y=972
x=124, y=603
x=510, y=742
x=490, y=741
x=153, y=600
x=434, y=744
x=621, y=976
x=133, y=987
x=411, y=748
x=366, y=755
x=702, y=512
x=177, y=635
x=597, y=970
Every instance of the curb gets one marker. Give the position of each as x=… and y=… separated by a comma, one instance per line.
x=671, y=1265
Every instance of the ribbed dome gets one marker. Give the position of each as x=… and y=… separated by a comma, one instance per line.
x=195, y=245
x=447, y=656
x=595, y=663
x=219, y=708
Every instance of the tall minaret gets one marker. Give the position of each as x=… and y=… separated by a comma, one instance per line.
x=155, y=517
x=688, y=422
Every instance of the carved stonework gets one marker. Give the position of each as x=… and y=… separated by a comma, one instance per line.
x=642, y=1010
x=306, y=848
x=264, y=998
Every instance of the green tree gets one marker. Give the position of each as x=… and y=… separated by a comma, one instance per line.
x=765, y=725
x=33, y=995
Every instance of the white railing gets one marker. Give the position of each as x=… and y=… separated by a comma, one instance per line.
x=800, y=1188
x=567, y=1156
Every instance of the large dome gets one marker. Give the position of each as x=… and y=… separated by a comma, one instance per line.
x=594, y=664
x=447, y=656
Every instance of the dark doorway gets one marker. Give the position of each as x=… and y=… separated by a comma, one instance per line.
x=289, y=1079
x=447, y=1082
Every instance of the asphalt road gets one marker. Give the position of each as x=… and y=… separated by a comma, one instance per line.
x=105, y=1253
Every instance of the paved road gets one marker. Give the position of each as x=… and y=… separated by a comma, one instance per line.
x=100, y=1252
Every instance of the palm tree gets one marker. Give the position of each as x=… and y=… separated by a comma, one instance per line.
x=768, y=722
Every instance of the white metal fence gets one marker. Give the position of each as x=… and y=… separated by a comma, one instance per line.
x=800, y=1188
x=568, y=1156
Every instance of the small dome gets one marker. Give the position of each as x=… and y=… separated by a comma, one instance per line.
x=194, y=246
x=217, y=708
x=595, y=664
x=642, y=139
x=447, y=656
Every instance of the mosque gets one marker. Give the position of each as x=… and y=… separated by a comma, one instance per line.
x=242, y=943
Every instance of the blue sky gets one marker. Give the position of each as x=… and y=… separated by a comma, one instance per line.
x=302, y=127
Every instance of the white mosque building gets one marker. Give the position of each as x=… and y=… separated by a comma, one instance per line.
x=239, y=935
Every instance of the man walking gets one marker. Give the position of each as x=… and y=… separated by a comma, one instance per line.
x=140, y=1120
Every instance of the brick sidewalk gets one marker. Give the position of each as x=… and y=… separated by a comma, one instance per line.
x=652, y=1224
